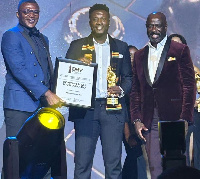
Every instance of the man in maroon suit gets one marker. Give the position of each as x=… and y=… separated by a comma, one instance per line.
x=163, y=87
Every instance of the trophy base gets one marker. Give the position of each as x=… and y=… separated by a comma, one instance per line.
x=113, y=107
x=113, y=104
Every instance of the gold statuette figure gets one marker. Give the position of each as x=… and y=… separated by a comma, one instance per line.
x=112, y=99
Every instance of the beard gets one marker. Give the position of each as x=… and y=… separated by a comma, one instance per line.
x=97, y=34
x=156, y=38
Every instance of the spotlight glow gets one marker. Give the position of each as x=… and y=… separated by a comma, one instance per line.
x=52, y=119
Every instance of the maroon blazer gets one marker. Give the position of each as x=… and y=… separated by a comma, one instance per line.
x=173, y=90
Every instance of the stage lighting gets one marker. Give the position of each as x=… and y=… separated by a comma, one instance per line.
x=38, y=146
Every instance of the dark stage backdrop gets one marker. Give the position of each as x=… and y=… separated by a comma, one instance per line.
x=66, y=20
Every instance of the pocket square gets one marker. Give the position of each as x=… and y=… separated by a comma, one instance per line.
x=116, y=55
x=171, y=59
x=121, y=56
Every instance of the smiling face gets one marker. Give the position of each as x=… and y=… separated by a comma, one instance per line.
x=28, y=14
x=156, y=28
x=99, y=23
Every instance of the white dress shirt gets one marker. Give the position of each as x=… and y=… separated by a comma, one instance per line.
x=154, y=57
x=103, y=61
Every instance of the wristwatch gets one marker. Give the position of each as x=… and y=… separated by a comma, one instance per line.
x=136, y=120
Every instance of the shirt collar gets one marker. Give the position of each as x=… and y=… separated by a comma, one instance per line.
x=160, y=44
x=105, y=43
x=28, y=30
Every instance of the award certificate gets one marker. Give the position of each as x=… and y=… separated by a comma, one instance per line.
x=75, y=82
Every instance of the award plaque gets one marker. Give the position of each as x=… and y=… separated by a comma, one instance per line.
x=75, y=82
x=112, y=100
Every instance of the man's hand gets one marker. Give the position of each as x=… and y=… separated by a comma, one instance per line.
x=85, y=60
x=114, y=90
x=196, y=103
x=53, y=100
x=138, y=129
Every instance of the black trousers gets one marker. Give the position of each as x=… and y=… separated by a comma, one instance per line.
x=130, y=170
x=153, y=148
x=109, y=127
x=195, y=129
x=14, y=120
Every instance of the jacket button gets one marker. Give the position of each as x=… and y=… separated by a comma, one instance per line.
x=35, y=64
x=35, y=75
x=31, y=53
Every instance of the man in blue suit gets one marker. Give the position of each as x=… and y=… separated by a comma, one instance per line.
x=99, y=47
x=29, y=69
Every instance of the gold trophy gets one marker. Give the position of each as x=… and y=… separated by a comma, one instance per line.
x=112, y=99
x=197, y=78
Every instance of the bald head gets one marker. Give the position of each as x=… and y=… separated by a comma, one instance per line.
x=158, y=15
x=156, y=25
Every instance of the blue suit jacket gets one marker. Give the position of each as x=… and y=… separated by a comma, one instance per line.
x=122, y=64
x=24, y=76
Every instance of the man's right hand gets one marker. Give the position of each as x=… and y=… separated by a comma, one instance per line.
x=138, y=128
x=196, y=103
x=53, y=100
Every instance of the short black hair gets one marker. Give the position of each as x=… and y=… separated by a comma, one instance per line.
x=99, y=7
x=180, y=37
x=23, y=1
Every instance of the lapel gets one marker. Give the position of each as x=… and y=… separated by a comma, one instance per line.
x=145, y=64
x=160, y=64
x=113, y=48
x=114, y=61
x=31, y=43
x=162, y=59
x=86, y=51
x=48, y=56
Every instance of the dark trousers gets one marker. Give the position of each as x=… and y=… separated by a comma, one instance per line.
x=197, y=139
x=130, y=169
x=153, y=148
x=109, y=127
x=195, y=129
x=14, y=121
